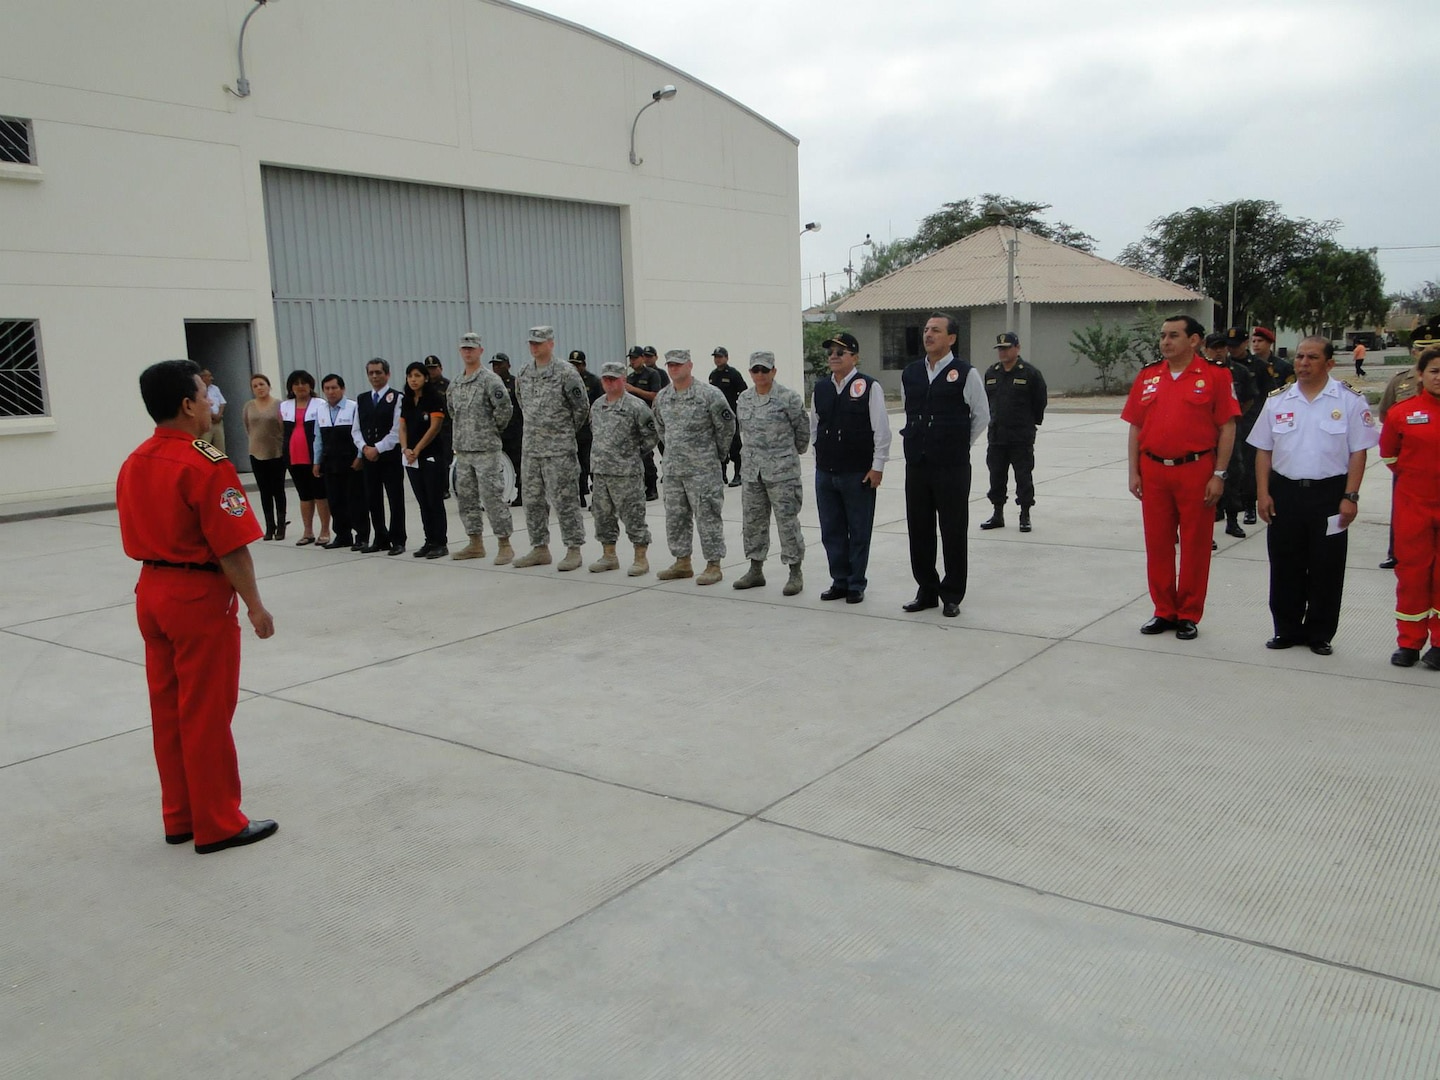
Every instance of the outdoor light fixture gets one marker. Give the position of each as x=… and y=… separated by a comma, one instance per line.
x=850, y=268
x=812, y=226
x=242, y=84
x=665, y=93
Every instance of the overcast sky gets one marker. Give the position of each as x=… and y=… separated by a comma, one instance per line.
x=1114, y=111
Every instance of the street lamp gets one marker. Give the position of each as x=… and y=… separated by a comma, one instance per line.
x=665, y=93
x=850, y=264
x=242, y=84
x=812, y=226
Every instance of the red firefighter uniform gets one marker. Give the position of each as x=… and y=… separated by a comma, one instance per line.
x=182, y=508
x=1179, y=420
x=1410, y=445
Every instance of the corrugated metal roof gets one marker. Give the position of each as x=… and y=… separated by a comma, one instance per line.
x=971, y=273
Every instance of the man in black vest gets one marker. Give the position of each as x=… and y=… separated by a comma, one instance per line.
x=1015, y=391
x=377, y=437
x=945, y=412
x=851, y=435
x=338, y=462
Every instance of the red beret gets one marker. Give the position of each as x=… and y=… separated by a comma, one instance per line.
x=1265, y=332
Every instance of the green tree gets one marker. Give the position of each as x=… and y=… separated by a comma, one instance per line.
x=1110, y=348
x=1334, y=286
x=1267, y=245
x=1145, y=335
x=884, y=259
x=957, y=220
x=812, y=334
x=1424, y=301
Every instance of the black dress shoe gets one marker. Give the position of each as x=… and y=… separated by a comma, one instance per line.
x=1234, y=530
x=1214, y=546
x=855, y=597
x=1321, y=648
x=1186, y=630
x=1280, y=641
x=920, y=603
x=439, y=551
x=1431, y=659
x=396, y=549
x=1250, y=518
x=951, y=609
x=336, y=544
x=651, y=495
x=186, y=837
x=1401, y=657
x=735, y=482
x=1388, y=564
x=1157, y=625
x=422, y=551
x=359, y=545
x=834, y=592
x=250, y=834
x=371, y=549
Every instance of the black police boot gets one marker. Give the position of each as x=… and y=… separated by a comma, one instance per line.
x=1024, y=519
x=997, y=519
x=1250, y=518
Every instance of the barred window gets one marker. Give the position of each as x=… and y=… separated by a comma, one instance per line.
x=22, y=388
x=17, y=141
x=899, y=340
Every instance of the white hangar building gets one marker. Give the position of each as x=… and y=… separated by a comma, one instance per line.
x=398, y=174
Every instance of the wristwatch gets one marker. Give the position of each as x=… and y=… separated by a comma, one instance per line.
x=1353, y=496
x=1222, y=473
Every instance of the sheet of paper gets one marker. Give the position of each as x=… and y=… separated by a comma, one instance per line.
x=1333, y=526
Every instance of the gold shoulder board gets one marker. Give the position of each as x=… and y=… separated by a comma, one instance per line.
x=208, y=452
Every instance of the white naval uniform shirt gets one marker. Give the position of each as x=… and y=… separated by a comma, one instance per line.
x=1313, y=440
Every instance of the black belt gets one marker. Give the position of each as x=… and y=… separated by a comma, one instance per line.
x=1337, y=480
x=1179, y=460
x=208, y=567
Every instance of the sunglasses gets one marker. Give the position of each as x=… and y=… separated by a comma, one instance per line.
x=757, y=370
x=836, y=352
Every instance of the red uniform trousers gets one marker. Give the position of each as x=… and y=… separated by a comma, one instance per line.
x=192, y=665
x=1417, y=572
x=1173, y=503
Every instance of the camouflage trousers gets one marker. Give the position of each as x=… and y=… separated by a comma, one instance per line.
x=616, y=498
x=783, y=497
x=480, y=489
x=543, y=479
x=697, y=498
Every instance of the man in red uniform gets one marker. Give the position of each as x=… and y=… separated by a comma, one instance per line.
x=1181, y=412
x=183, y=514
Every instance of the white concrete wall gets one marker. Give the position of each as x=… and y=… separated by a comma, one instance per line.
x=149, y=208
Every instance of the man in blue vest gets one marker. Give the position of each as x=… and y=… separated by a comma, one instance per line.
x=377, y=438
x=851, y=435
x=945, y=412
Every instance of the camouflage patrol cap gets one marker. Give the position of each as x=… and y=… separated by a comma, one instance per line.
x=764, y=358
x=539, y=334
x=470, y=340
x=677, y=356
x=612, y=369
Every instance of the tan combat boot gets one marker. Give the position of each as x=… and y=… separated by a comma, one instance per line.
x=571, y=561
x=536, y=556
x=751, y=579
x=607, y=561
x=796, y=585
x=710, y=575
x=476, y=550
x=681, y=569
x=641, y=565
x=505, y=553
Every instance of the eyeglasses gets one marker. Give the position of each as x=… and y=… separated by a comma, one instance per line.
x=758, y=370
x=836, y=352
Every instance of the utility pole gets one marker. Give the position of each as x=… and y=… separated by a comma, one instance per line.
x=1012, y=247
x=1230, y=298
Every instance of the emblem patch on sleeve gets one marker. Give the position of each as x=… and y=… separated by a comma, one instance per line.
x=232, y=501
x=208, y=452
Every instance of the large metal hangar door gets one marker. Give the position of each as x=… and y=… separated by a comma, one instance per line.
x=364, y=267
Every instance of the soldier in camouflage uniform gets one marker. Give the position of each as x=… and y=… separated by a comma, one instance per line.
x=624, y=431
x=479, y=406
x=775, y=430
x=695, y=423
x=556, y=408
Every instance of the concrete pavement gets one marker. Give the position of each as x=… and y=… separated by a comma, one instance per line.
x=575, y=825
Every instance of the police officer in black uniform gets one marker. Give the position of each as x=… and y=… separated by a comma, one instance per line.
x=1017, y=396
x=732, y=384
x=1231, y=348
x=644, y=382
x=585, y=436
x=514, y=433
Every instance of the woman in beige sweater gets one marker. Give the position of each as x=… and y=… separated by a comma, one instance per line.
x=267, y=457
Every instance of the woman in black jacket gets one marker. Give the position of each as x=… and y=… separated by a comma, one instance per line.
x=298, y=413
x=422, y=415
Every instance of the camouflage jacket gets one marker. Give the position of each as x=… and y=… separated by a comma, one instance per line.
x=775, y=430
x=696, y=426
x=479, y=407
x=624, y=430
x=556, y=408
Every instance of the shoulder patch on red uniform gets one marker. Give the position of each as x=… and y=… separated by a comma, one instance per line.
x=232, y=501
x=208, y=452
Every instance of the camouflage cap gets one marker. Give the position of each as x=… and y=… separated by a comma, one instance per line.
x=539, y=334
x=677, y=356
x=764, y=358
x=612, y=369
x=470, y=340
